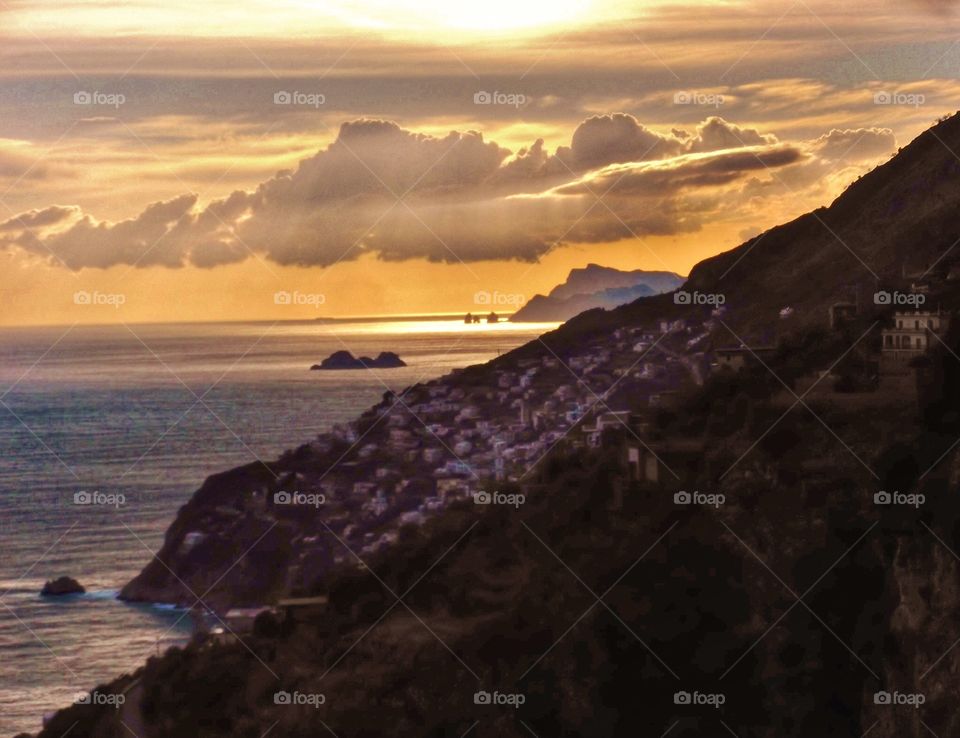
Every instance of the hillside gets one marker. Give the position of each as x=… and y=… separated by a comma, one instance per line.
x=579, y=603
x=899, y=219
x=785, y=589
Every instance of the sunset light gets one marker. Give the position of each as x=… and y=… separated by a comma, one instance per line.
x=445, y=369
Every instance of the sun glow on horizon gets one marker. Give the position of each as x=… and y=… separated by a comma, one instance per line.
x=423, y=19
x=490, y=16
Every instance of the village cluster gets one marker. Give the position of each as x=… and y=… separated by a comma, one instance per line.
x=462, y=439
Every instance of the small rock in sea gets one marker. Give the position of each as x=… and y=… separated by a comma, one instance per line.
x=62, y=586
x=346, y=360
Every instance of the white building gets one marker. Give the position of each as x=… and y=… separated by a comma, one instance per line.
x=913, y=333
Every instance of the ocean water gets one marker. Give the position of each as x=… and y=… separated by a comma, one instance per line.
x=141, y=414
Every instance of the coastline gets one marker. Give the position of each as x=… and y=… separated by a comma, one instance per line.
x=138, y=406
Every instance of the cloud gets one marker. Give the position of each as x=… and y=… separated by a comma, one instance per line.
x=831, y=163
x=399, y=194
x=157, y=236
x=684, y=172
x=51, y=216
x=716, y=133
x=606, y=139
x=855, y=144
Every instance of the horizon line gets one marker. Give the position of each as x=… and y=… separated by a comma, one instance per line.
x=385, y=317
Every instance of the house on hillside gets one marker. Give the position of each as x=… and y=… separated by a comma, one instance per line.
x=737, y=357
x=913, y=333
x=642, y=464
x=614, y=419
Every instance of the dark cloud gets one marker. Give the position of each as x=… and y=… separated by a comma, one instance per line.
x=685, y=172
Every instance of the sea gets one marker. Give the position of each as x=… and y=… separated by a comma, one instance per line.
x=135, y=417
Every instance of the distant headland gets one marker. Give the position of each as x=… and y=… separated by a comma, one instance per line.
x=399, y=318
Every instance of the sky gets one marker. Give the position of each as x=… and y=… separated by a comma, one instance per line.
x=164, y=161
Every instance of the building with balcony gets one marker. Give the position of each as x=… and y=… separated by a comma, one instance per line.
x=913, y=333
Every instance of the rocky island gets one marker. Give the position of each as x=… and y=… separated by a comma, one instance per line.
x=345, y=360
x=62, y=586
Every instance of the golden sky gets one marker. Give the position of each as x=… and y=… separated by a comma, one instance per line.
x=193, y=161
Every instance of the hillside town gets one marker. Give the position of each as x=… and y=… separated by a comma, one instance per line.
x=459, y=439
